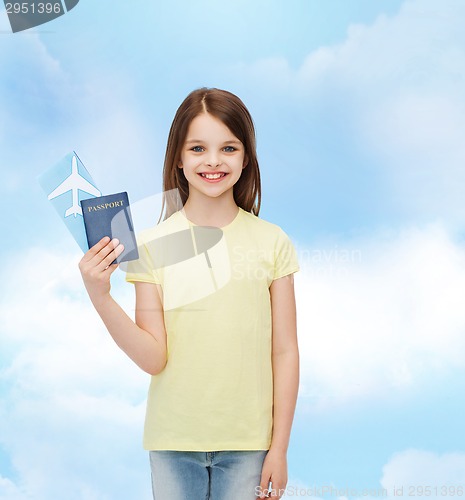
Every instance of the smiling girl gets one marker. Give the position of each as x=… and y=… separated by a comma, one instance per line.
x=215, y=322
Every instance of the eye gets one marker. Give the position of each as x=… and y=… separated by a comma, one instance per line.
x=197, y=149
x=230, y=149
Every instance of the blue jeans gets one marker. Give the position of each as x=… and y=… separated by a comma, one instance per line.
x=212, y=475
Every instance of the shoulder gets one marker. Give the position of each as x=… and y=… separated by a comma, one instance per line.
x=263, y=226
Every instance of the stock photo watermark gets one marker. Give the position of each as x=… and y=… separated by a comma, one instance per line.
x=25, y=15
x=418, y=490
x=258, y=263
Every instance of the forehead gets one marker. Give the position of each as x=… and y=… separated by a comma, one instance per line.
x=205, y=126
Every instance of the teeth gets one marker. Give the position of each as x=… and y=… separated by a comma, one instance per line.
x=212, y=176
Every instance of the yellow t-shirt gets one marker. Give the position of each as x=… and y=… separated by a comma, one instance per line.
x=216, y=390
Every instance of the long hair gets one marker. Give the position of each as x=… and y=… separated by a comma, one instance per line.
x=230, y=110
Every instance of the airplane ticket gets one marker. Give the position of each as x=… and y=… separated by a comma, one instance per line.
x=66, y=184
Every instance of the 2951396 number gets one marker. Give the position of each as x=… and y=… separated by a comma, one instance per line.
x=33, y=8
x=441, y=491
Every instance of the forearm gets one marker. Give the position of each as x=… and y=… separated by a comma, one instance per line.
x=145, y=349
x=285, y=390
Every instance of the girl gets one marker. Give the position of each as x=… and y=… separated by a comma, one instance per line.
x=215, y=320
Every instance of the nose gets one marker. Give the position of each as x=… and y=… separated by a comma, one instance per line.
x=213, y=159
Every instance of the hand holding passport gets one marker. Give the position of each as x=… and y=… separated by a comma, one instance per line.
x=110, y=215
x=87, y=214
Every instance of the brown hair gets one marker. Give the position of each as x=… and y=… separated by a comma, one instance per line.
x=228, y=108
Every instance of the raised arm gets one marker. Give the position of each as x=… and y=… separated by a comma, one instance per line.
x=144, y=340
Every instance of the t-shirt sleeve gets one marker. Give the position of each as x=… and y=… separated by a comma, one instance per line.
x=286, y=261
x=142, y=269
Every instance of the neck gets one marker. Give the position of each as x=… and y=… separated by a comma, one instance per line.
x=206, y=211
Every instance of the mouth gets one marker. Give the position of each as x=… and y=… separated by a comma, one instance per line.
x=216, y=177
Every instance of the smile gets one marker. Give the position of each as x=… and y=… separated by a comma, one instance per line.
x=213, y=177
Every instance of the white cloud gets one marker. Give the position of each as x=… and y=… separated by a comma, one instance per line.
x=395, y=318
x=95, y=113
x=115, y=141
x=410, y=473
x=33, y=83
x=380, y=314
x=34, y=96
x=395, y=91
x=9, y=491
x=72, y=405
x=421, y=473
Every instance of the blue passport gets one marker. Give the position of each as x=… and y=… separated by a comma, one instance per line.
x=110, y=215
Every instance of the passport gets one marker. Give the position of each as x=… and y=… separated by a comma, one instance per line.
x=110, y=215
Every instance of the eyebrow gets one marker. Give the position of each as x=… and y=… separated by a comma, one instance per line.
x=225, y=142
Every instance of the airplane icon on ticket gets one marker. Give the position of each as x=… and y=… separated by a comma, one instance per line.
x=72, y=183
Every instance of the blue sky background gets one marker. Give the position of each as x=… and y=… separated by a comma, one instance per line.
x=360, y=114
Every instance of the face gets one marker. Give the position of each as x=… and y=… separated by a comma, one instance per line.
x=212, y=157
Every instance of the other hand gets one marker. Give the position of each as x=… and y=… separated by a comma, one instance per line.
x=274, y=470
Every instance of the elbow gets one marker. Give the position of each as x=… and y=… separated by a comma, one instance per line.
x=155, y=368
x=291, y=351
x=155, y=360
x=153, y=371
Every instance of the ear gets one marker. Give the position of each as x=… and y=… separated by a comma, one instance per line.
x=179, y=164
x=246, y=161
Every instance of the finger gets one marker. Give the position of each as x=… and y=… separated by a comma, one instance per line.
x=104, y=252
x=279, y=488
x=111, y=267
x=107, y=262
x=94, y=250
x=264, y=483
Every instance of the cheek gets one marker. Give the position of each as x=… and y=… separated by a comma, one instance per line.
x=185, y=161
x=190, y=164
x=241, y=162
